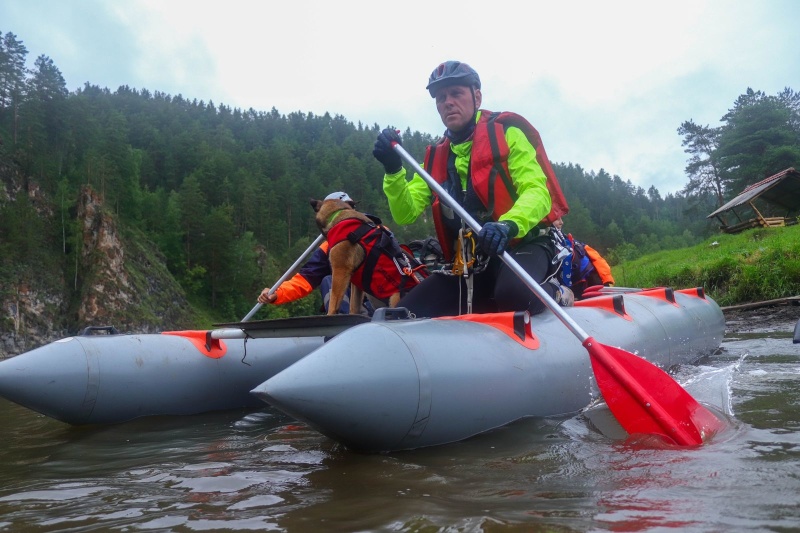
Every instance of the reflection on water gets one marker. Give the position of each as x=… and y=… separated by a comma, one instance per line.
x=262, y=471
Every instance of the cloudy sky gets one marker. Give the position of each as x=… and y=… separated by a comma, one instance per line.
x=607, y=84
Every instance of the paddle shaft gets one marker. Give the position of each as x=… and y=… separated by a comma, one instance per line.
x=314, y=245
x=672, y=428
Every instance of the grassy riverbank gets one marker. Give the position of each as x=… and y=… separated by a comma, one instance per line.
x=752, y=266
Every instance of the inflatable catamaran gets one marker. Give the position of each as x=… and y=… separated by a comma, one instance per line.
x=409, y=383
x=387, y=383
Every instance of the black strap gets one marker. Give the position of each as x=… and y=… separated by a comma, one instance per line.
x=375, y=220
x=357, y=234
x=371, y=260
x=388, y=245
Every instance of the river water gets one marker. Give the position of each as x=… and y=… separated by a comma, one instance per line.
x=260, y=470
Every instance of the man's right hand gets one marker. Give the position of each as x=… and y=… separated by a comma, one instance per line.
x=266, y=298
x=384, y=152
x=494, y=236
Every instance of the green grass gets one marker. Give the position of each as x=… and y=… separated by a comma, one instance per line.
x=755, y=265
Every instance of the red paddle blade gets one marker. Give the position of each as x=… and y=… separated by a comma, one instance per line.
x=645, y=399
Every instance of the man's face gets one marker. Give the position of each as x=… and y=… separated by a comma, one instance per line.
x=455, y=105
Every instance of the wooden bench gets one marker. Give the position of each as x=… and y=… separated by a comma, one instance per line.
x=773, y=222
x=763, y=222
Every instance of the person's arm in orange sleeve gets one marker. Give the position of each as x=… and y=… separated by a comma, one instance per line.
x=600, y=265
x=292, y=289
x=304, y=282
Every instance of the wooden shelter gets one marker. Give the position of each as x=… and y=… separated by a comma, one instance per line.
x=772, y=202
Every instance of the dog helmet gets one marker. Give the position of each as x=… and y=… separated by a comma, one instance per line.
x=452, y=73
x=343, y=196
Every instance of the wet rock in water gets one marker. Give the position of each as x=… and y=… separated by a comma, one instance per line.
x=771, y=318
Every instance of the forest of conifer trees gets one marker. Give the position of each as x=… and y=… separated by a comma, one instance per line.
x=223, y=193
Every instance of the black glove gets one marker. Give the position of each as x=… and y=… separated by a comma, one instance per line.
x=384, y=152
x=494, y=236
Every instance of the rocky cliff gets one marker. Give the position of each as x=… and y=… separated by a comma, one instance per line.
x=118, y=278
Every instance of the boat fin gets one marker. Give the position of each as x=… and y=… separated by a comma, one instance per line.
x=202, y=340
x=516, y=325
x=662, y=293
x=699, y=292
x=613, y=303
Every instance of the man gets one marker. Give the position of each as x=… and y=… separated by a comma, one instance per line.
x=487, y=162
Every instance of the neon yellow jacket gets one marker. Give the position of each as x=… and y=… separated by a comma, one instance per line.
x=409, y=198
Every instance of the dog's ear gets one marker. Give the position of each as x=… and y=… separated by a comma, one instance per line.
x=316, y=204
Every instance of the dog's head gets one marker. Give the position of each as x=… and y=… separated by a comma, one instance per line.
x=328, y=212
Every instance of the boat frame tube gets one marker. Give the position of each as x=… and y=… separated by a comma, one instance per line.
x=406, y=384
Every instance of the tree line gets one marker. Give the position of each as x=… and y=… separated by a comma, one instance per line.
x=223, y=192
x=759, y=136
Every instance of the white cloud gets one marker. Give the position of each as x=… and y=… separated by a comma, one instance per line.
x=606, y=83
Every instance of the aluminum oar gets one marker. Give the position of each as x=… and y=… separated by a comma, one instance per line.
x=314, y=245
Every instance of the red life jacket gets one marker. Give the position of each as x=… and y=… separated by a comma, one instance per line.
x=488, y=162
x=387, y=268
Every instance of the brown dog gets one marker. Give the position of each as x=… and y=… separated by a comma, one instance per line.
x=345, y=256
